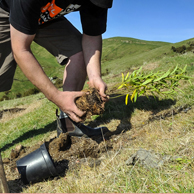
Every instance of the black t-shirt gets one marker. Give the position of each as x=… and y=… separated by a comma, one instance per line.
x=26, y=15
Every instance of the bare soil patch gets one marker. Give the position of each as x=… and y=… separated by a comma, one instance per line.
x=151, y=66
x=10, y=111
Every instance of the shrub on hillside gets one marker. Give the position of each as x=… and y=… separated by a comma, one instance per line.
x=4, y=97
x=31, y=92
x=18, y=95
x=180, y=49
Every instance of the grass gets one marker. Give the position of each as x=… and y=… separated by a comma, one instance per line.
x=29, y=126
x=150, y=124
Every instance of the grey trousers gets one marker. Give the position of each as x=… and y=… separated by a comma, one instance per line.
x=7, y=62
x=59, y=37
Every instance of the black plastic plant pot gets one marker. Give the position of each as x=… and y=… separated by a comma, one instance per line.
x=36, y=166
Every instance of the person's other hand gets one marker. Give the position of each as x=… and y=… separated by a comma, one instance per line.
x=101, y=86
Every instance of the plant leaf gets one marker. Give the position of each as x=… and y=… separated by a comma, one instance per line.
x=163, y=76
x=126, y=99
x=174, y=70
x=123, y=78
x=135, y=97
x=127, y=76
x=132, y=96
x=147, y=81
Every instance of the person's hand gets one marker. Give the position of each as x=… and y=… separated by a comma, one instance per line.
x=66, y=102
x=101, y=86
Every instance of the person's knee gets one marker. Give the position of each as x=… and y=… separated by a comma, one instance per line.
x=77, y=61
x=77, y=57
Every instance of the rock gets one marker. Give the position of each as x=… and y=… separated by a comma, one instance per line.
x=149, y=159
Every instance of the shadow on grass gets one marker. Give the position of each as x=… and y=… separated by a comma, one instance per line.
x=48, y=128
x=16, y=186
x=116, y=109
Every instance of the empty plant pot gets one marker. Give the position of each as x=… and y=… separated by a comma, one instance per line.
x=36, y=166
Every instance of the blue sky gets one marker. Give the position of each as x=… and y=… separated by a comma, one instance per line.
x=155, y=20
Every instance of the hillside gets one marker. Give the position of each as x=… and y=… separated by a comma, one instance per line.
x=149, y=146
x=126, y=52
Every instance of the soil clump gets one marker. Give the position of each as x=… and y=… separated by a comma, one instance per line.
x=91, y=103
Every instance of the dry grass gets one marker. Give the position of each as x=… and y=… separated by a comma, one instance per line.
x=170, y=136
x=150, y=66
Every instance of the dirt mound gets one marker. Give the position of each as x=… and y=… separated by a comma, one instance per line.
x=64, y=147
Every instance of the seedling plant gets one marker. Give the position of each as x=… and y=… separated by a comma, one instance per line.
x=139, y=83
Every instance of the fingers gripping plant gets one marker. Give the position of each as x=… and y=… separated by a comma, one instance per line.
x=139, y=83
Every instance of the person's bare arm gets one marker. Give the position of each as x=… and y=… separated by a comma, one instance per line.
x=92, y=49
x=33, y=71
